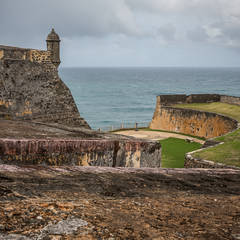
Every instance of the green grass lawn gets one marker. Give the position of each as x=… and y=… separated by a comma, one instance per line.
x=174, y=150
x=229, y=152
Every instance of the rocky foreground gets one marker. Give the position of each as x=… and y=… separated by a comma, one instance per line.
x=38, y=202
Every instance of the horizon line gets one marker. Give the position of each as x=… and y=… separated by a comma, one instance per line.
x=149, y=67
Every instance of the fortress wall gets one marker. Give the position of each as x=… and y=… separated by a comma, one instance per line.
x=1, y=54
x=40, y=56
x=187, y=121
x=230, y=99
x=32, y=55
x=110, y=153
x=34, y=91
x=202, y=98
x=192, y=122
x=168, y=100
x=171, y=99
x=192, y=162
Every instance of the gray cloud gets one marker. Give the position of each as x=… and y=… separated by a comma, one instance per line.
x=104, y=23
x=197, y=34
x=227, y=33
x=71, y=18
x=223, y=33
x=167, y=32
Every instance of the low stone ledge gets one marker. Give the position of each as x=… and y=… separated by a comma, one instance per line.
x=80, y=152
x=191, y=162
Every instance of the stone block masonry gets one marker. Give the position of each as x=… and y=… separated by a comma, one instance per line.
x=192, y=122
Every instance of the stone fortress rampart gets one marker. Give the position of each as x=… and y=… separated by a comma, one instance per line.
x=192, y=122
x=81, y=152
x=33, y=55
x=49, y=56
x=30, y=88
x=41, y=125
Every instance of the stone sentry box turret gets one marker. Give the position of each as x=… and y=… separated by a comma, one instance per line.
x=31, y=89
x=53, y=46
x=51, y=56
x=43, y=124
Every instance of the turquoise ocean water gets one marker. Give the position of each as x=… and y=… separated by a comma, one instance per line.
x=110, y=96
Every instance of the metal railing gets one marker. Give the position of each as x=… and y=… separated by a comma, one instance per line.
x=124, y=126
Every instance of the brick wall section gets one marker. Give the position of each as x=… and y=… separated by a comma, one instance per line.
x=111, y=153
x=197, y=123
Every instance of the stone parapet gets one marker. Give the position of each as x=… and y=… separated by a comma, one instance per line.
x=25, y=54
x=80, y=152
x=192, y=162
x=230, y=99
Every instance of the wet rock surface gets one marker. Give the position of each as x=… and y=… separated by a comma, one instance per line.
x=118, y=203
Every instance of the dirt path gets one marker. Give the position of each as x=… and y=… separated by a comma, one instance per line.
x=152, y=135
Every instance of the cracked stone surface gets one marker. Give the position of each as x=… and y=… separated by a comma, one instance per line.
x=118, y=203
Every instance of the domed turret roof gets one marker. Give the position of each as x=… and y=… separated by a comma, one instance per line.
x=53, y=36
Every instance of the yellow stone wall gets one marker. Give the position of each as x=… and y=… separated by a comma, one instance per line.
x=40, y=56
x=192, y=122
x=1, y=54
x=32, y=55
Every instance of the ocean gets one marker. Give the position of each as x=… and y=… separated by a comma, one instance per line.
x=109, y=97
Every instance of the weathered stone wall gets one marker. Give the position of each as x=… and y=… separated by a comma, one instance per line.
x=230, y=99
x=202, y=98
x=202, y=124
x=111, y=153
x=34, y=91
x=32, y=55
x=193, y=122
x=40, y=56
x=167, y=100
x=191, y=162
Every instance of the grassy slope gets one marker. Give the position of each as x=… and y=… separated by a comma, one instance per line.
x=232, y=111
x=174, y=150
x=229, y=152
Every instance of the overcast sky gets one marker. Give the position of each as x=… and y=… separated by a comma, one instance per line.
x=128, y=32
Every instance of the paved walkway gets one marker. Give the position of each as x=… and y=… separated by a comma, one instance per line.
x=154, y=135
